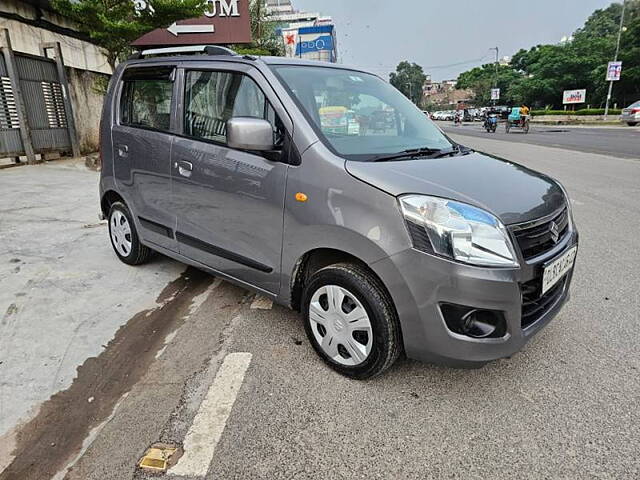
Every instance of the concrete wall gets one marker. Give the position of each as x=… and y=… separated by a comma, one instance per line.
x=559, y=119
x=27, y=38
x=85, y=63
x=87, y=106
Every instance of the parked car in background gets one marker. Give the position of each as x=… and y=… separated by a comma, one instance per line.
x=631, y=114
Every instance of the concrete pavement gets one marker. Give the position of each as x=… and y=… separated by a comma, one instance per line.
x=564, y=407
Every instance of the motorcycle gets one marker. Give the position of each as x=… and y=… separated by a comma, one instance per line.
x=491, y=123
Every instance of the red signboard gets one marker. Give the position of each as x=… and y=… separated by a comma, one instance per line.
x=223, y=22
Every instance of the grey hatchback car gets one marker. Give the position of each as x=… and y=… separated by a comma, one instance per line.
x=325, y=189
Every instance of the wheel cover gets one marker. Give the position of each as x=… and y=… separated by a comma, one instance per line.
x=340, y=325
x=120, y=233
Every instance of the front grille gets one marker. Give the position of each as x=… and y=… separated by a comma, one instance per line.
x=535, y=305
x=538, y=238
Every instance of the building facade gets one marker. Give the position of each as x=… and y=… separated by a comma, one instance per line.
x=30, y=24
x=306, y=35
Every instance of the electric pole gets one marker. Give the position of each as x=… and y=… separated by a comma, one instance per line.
x=606, y=108
x=495, y=83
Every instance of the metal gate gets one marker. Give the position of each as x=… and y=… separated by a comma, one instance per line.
x=36, y=116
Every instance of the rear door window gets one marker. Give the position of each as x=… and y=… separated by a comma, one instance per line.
x=146, y=98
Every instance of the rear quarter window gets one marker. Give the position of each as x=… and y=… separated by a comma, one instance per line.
x=146, y=97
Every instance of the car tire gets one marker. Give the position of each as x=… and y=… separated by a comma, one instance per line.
x=124, y=236
x=632, y=124
x=356, y=353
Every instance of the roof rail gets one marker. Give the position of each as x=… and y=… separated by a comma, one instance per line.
x=205, y=49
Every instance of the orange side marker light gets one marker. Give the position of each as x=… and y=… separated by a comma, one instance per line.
x=301, y=197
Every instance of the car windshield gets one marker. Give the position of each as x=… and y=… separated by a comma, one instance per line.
x=358, y=115
x=635, y=105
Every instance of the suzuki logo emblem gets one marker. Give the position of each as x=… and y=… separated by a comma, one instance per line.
x=555, y=232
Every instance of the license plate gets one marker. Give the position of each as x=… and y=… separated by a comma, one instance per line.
x=557, y=269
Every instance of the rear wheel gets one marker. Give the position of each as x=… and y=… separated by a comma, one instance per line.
x=351, y=321
x=632, y=124
x=526, y=127
x=507, y=127
x=124, y=237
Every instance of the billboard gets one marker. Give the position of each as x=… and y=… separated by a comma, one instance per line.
x=290, y=38
x=222, y=22
x=317, y=44
x=614, y=70
x=311, y=43
x=495, y=94
x=574, y=96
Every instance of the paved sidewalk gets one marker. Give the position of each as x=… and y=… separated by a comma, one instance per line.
x=63, y=294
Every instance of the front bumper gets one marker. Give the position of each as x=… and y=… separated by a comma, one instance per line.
x=630, y=117
x=420, y=282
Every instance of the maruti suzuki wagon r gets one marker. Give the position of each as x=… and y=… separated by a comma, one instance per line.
x=323, y=188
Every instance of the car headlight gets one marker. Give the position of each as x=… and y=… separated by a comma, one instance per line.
x=460, y=231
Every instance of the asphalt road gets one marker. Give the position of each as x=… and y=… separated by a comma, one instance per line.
x=564, y=407
x=623, y=141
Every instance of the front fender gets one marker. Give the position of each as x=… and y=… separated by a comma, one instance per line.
x=340, y=212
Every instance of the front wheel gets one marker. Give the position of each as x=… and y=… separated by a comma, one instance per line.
x=351, y=321
x=507, y=127
x=526, y=127
x=632, y=124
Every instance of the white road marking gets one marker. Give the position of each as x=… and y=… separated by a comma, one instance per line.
x=211, y=418
x=261, y=303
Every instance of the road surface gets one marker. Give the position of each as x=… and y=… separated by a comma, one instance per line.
x=99, y=360
x=623, y=142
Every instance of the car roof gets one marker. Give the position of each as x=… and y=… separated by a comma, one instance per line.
x=246, y=59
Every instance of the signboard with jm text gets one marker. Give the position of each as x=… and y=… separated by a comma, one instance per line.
x=574, y=96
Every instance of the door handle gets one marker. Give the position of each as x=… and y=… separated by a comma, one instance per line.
x=184, y=168
x=123, y=150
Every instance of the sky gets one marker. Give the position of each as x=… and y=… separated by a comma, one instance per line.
x=446, y=37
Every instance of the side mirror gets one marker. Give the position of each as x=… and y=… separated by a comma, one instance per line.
x=245, y=133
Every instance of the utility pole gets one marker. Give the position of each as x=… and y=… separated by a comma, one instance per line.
x=606, y=108
x=410, y=91
x=259, y=15
x=495, y=83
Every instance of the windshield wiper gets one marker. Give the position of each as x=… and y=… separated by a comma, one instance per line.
x=410, y=153
x=455, y=150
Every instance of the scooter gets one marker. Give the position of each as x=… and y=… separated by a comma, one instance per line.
x=491, y=123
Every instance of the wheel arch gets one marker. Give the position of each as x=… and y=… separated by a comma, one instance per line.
x=109, y=198
x=318, y=258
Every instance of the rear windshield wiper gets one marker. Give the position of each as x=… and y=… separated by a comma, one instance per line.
x=410, y=153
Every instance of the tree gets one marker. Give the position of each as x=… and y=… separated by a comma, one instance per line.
x=114, y=24
x=539, y=75
x=266, y=41
x=409, y=79
x=482, y=79
x=581, y=62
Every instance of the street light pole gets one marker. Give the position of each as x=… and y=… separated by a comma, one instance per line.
x=606, y=108
x=495, y=84
x=410, y=91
